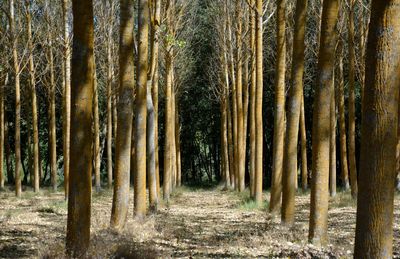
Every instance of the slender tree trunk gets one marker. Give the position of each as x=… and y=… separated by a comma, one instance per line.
x=374, y=227
x=32, y=81
x=295, y=100
x=239, y=97
x=279, y=120
x=141, y=110
x=156, y=28
x=67, y=96
x=178, y=146
x=125, y=113
x=342, y=123
x=352, y=112
x=252, y=100
x=52, y=111
x=110, y=74
x=2, y=132
x=80, y=185
x=258, y=108
x=332, y=143
x=303, y=140
x=321, y=125
x=96, y=133
x=230, y=144
x=224, y=143
x=173, y=147
x=16, y=67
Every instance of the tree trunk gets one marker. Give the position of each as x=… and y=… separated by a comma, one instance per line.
x=259, y=99
x=178, y=146
x=279, y=120
x=80, y=185
x=141, y=110
x=342, y=123
x=252, y=100
x=321, y=125
x=352, y=112
x=295, y=100
x=125, y=113
x=52, y=110
x=2, y=132
x=32, y=81
x=110, y=79
x=303, y=140
x=67, y=96
x=96, y=133
x=16, y=67
x=374, y=227
x=332, y=142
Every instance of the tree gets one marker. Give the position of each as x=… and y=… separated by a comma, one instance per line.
x=321, y=125
x=279, y=119
x=16, y=70
x=80, y=185
x=332, y=142
x=352, y=116
x=374, y=227
x=52, y=101
x=295, y=101
x=259, y=97
x=67, y=95
x=141, y=109
x=32, y=81
x=125, y=114
x=342, y=120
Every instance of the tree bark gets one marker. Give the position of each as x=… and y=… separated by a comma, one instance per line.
x=279, y=119
x=67, y=96
x=96, y=133
x=332, y=142
x=32, y=81
x=125, y=113
x=16, y=70
x=374, y=227
x=295, y=100
x=258, y=108
x=352, y=112
x=342, y=123
x=303, y=140
x=141, y=110
x=321, y=125
x=252, y=100
x=80, y=185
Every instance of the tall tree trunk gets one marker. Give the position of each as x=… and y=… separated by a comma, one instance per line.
x=239, y=97
x=155, y=49
x=141, y=110
x=2, y=132
x=321, y=125
x=125, y=113
x=252, y=100
x=224, y=143
x=32, y=81
x=303, y=140
x=110, y=79
x=279, y=119
x=295, y=100
x=67, y=96
x=374, y=227
x=80, y=185
x=332, y=142
x=96, y=133
x=52, y=110
x=16, y=68
x=230, y=143
x=342, y=123
x=352, y=111
x=258, y=108
x=178, y=146
x=173, y=147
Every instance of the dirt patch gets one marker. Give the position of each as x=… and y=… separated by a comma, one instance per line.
x=197, y=224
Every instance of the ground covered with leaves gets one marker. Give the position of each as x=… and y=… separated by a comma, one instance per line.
x=198, y=223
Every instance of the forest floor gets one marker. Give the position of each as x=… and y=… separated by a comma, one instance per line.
x=198, y=223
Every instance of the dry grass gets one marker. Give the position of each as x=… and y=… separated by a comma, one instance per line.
x=198, y=223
